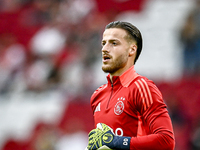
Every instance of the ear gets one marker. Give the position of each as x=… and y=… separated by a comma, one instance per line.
x=133, y=49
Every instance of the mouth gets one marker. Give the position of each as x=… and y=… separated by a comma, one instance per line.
x=106, y=58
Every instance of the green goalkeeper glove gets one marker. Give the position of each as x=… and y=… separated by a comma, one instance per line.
x=103, y=135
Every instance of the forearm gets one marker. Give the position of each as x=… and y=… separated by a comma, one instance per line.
x=152, y=142
x=161, y=138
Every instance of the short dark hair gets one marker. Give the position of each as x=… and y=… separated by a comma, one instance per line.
x=132, y=31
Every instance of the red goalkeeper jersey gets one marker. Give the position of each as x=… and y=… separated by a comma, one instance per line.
x=133, y=106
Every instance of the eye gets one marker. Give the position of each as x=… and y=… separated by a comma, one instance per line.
x=114, y=43
x=103, y=43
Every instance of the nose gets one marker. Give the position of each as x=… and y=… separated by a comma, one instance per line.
x=105, y=48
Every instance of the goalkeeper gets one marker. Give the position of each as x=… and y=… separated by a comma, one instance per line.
x=129, y=110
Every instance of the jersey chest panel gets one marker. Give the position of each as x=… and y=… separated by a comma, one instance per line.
x=116, y=109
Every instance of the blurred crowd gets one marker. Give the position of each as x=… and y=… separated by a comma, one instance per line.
x=48, y=45
x=42, y=41
x=51, y=45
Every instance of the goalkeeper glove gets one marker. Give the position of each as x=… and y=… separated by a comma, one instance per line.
x=103, y=135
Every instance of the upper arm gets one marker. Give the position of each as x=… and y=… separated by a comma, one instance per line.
x=155, y=118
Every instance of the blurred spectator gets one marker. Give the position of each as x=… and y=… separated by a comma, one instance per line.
x=47, y=41
x=44, y=45
x=38, y=13
x=36, y=74
x=74, y=11
x=190, y=37
x=12, y=59
x=24, y=18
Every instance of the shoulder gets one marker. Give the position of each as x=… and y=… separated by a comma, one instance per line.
x=95, y=98
x=98, y=90
x=144, y=82
x=147, y=89
x=147, y=95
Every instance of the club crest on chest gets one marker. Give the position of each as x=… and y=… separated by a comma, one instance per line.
x=119, y=106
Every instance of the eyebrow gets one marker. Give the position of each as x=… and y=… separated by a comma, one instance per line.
x=111, y=40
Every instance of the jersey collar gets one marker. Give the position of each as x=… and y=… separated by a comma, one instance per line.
x=127, y=77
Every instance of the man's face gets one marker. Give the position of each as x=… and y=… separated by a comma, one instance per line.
x=115, y=50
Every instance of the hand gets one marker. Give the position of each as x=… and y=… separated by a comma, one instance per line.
x=103, y=135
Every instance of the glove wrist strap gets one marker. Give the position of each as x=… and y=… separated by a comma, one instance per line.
x=122, y=142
